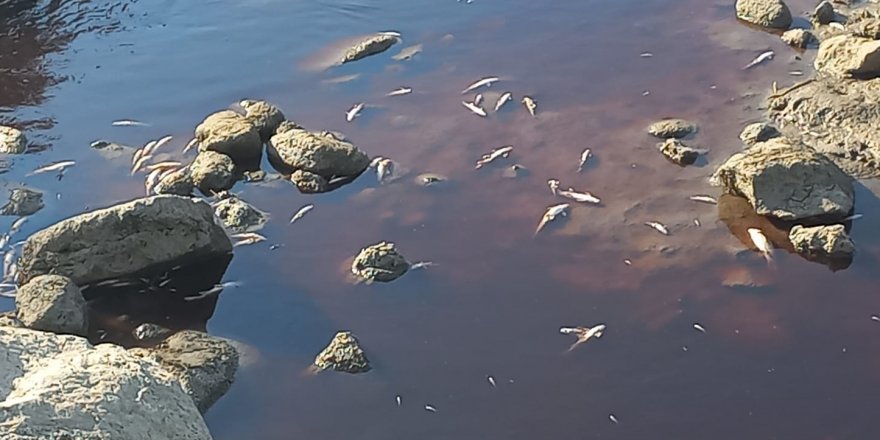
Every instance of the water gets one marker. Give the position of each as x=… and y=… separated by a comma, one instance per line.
x=793, y=357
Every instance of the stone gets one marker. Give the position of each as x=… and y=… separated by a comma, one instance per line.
x=308, y=183
x=264, y=116
x=758, y=132
x=149, y=332
x=239, y=216
x=321, y=154
x=379, y=262
x=124, y=239
x=8, y=319
x=772, y=14
x=344, y=354
x=23, y=202
x=177, y=183
x=60, y=387
x=788, y=181
x=369, y=46
x=798, y=38
x=212, y=172
x=824, y=13
x=866, y=28
x=678, y=152
x=231, y=134
x=204, y=365
x=52, y=303
x=822, y=241
x=12, y=140
x=848, y=55
x=672, y=128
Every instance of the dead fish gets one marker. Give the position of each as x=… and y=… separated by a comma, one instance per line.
x=494, y=154
x=583, y=197
x=400, y=91
x=407, y=53
x=158, y=144
x=699, y=328
x=583, y=333
x=697, y=222
x=168, y=164
x=216, y=289
x=247, y=238
x=140, y=164
x=189, y=145
x=585, y=156
x=430, y=408
x=8, y=260
x=551, y=214
x=474, y=108
x=390, y=33
x=766, y=56
x=341, y=79
x=761, y=243
x=875, y=318
x=353, y=112
x=478, y=99
x=646, y=55
x=129, y=123
x=487, y=81
x=613, y=419
x=506, y=96
x=704, y=199
x=659, y=227
x=152, y=180
x=9, y=292
x=398, y=399
x=384, y=168
x=530, y=104
x=140, y=152
x=627, y=262
x=554, y=186
x=836, y=25
x=4, y=240
x=16, y=225
x=301, y=213
x=491, y=381
x=421, y=265
x=853, y=217
x=57, y=166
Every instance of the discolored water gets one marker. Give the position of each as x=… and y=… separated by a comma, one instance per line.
x=795, y=354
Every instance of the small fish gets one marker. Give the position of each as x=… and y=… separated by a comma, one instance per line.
x=506, y=96
x=8, y=261
x=407, y=53
x=551, y=214
x=583, y=197
x=659, y=227
x=341, y=79
x=158, y=144
x=494, y=154
x=216, y=289
x=836, y=25
x=398, y=399
x=478, y=99
x=875, y=318
x=761, y=243
x=585, y=156
x=474, y=108
x=613, y=419
x=646, y=55
x=796, y=73
x=704, y=199
x=140, y=164
x=583, y=334
x=697, y=222
x=400, y=91
x=16, y=225
x=853, y=217
x=353, y=112
x=152, y=180
x=57, y=166
x=138, y=153
x=128, y=123
x=699, y=328
x=554, y=186
x=766, y=56
x=487, y=81
x=4, y=240
x=390, y=33
x=421, y=265
x=530, y=104
x=190, y=145
x=247, y=238
x=301, y=213
x=9, y=293
x=384, y=168
x=430, y=408
x=627, y=262
x=161, y=166
x=491, y=381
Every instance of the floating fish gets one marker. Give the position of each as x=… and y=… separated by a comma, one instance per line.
x=421, y=265
x=583, y=197
x=491, y=381
x=506, y=96
x=384, y=168
x=659, y=227
x=627, y=262
x=247, y=238
x=430, y=408
x=407, y=53
x=162, y=166
x=8, y=261
x=478, y=99
x=151, y=180
x=398, y=399
x=613, y=419
x=699, y=328
x=189, y=145
x=474, y=108
x=766, y=56
x=853, y=217
x=129, y=123
x=400, y=91
x=140, y=164
x=216, y=289
x=585, y=156
x=530, y=104
x=57, y=166
x=4, y=240
x=554, y=186
x=761, y=243
x=704, y=199
x=158, y=144
x=697, y=222
x=552, y=213
x=487, y=81
x=341, y=79
x=140, y=152
x=353, y=112
x=301, y=213
x=16, y=225
x=875, y=318
x=494, y=154
x=583, y=334
x=646, y=55
x=9, y=292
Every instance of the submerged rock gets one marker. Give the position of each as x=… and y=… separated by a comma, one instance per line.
x=799, y=38
x=824, y=13
x=847, y=55
x=240, y=216
x=343, y=354
x=229, y=133
x=22, y=202
x=12, y=140
x=264, y=116
x=212, y=172
x=318, y=154
x=178, y=183
x=677, y=152
x=758, y=132
x=672, y=128
x=124, y=239
x=822, y=241
x=788, y=181
x=379, y=262
x=369, y=46
x=772, y=14
x=54, y=304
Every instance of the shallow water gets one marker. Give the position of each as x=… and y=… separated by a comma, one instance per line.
x=794, y=357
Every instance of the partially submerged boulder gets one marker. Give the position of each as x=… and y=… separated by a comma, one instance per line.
x=12, y=140
x=369, y=46
x=758, y=132
x=379, y=262
x=264, y=116
x=678, y=152
x=23, y=202
x=672, y=128
x=343, y=354
x=124, y=239
x=229, y=133
x=848, y=55
x=772, y=14
x=240, y=216
x=788, y=181
x=830, y=242
x=54, y=304
x=212, y=172
x=314, y=158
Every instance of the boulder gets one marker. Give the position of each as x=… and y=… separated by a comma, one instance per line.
x=822, y=241
x=758, y=132
x=264, y=116
x=178, y=183
x=788, y=181
x=12, y=140
x=678, y=152
x=309, y=183
x=212, y=172
x=379, y=262
x=824, y=13
x=848, y=55
x=23, y=202
x=229, y=133
x=54, y=304
x=798, y=38
x=60, y=387
x=772, y=14
x=672, y=128
x=369, y=46
x=315, y=154
x=239, y=216
x=204, y=365
x=124, y=239
x=343, y=354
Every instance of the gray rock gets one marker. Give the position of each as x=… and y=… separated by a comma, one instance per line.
x=672, y=128
x=264, y=116
x=758, y=132
x=772, y=14
x=321, y=154
x=177, y=183
x=799, y=38
x=678, y=152
x=239, y=216
x=12, y=140
x=379, y=262
x=308, y=183
x=54, y=304
x=369, y=46
x=343, y=354
x=229, y=133
x=149, y=332
x=124, y=239
x=60, y=387
x=22, y=202
x=788, y=181
x=8, y=319
x=824, y=13
x=847, y=55
x=212, y=172
x=822, y=241
x=204, y=365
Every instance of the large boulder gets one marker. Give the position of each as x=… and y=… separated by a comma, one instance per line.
x=54, y=304
x=848, y=55
x=124, y=239
x=22, y=202
x=229, y=133
x=12, y=140
x=60, y=387
x=212, y=172
x=772, y=14
x=788, y=181
x=266, y=117
x=320, y=157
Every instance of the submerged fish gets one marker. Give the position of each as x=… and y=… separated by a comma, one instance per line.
x=384, y=168
x=407, y=53
x=400, y=91
x=583, y=197
x=474, y=108
x=530, y=104
x=766, y=56
x=341, y=79
x=704, y=199
x=301, y=213
x=216, y=289
x=585, y=156
x=354, y=111
x=506, y=96
x=494, y=154
x=761, y=243
x=659, y=227
x=487, y=81
x=57, y=166
x=398, y=399
x=551, y=214
x=129, y=123
x=583, y=334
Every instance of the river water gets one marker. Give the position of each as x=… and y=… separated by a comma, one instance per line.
x=790, y=349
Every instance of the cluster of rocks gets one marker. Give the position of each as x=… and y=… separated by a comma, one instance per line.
x=673, y=130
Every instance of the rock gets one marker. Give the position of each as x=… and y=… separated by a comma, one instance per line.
x=822, y=241
x=23, y=202
x=204, y=365
x=824, y=13
x=321, y=154
x=758, y=132
x=60, y=387
x=369, y=46
x=799, y=38
x=212, y=172
x=343, y=354
x=8, y=319
x=772, y=14
x=788, y=181
x=52, y=303
x=239, y=216
x=229, y=133
x=379, y=262
x=867, y=27
x=124, y=239
x=149, y=332
x=264, y=116
x=178, y=183
x=254, y=176
x=12, y=140
x=308, y=183
x=677, y=152
x=847, y=55
x=672, y=128
x=430, y=179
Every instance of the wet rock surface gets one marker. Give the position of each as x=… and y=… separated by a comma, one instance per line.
x=231, y=134
x=799, y=38
x=848, y=55
x=379, y=262
x=22, y=202
x=124, y=239
x=52, y=303
x=672, y=128
x=240, y=216
x=319, y=154
x=343, y=354
x=822, y=241
x=12, y=140
x=765, y=13
x=212, y=172
x=177, y=183
x=370, y=46
x=758, y=132
x=266, y=117
x=678, y=152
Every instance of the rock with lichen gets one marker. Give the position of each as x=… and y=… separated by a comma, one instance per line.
x=672, y=128
x=266, y=117
x=12, y=140
x=315, y=159
x=369, y=46
x=772, y=14
x=758, y=132
x=379, y=262
x=240, y=216
x=343, y=354
x=678, y=152
x=212, y=172
x=822, y=241
x=229, y=133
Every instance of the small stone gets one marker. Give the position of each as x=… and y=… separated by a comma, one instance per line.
x=772, y=14
x=798, y=38
x=824, y=13
x=369, y=46
x=264, y=116
x=149, y=332
x=308, y=183
x=672, y=128
x=178, y=183
x=758, y=132
x=379, y=262
x=822, y=241
x=343, y=354
x=678, y=152
x=22, y=202
x=212, y=171
x=239, y=216
x=12, y=140
x=52, y=303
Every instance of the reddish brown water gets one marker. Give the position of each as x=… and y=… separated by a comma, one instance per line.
x=796, y=357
